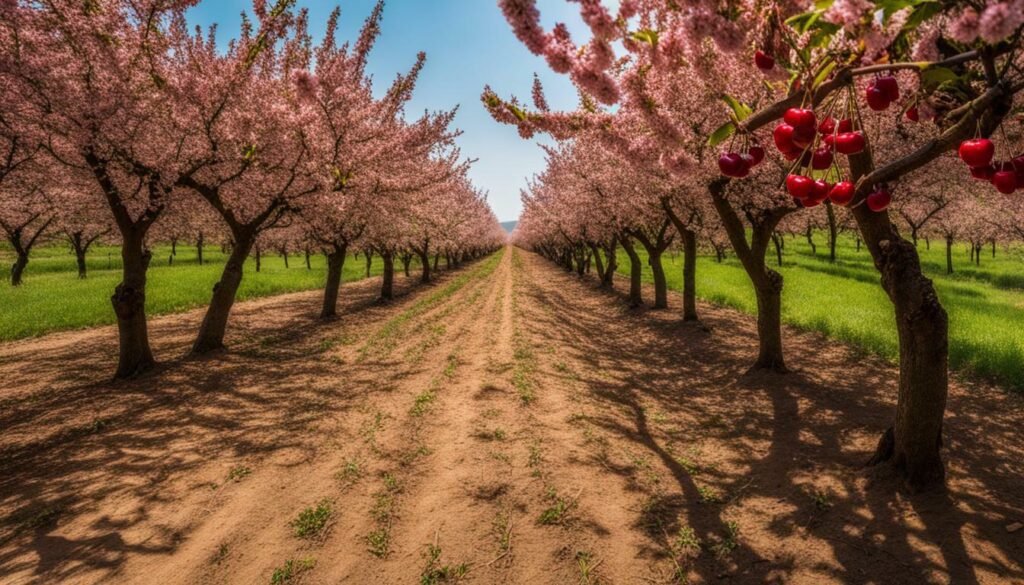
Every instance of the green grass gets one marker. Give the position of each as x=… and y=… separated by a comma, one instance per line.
x=845, y=300
x=53, y=298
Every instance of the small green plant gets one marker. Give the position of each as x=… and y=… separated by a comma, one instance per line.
x=312, y=521
x=587, y=566
x=503, y=530
x=435, y=572
x=423, y=402
x=349, y=473
x=221, y=554
x=555, y=514
x=290, y=570
x=708, y=494
x=686, y=541
x=238, y=473
x=728, y=542
x=821, y=499
x=378, y=542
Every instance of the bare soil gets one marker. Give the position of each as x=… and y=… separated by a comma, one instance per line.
x=509, y=423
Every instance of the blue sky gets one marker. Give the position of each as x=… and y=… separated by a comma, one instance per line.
x=468, y=44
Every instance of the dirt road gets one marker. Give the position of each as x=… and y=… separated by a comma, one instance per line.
x=507, y=424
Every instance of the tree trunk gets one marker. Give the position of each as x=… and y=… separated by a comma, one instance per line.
x=215, y=322
x=199, y=249
x=406, y=260
x=635, y=273
x=977, y=254
x=833, y=232
x=993, y=248
x=425, y=267
x=927, y=243
x=284, y=254
x=387, y=287
x=660, y=282
x=437, y=259
x=18, y=270
x=810, y=241
x=335, y=264
x=858, y=243
x=689, y=276
x=369, y=263
x=912, y=444
x=949, y=255
x=129, y=302
x=174, y=246
x=83, y=268
x=259, y=257
x=309, y=265
x=769, y=321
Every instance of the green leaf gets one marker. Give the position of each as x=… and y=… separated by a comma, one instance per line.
x=724, y=131
x=932, y=77
x=922, y=12
x=646, y=36
x=823, y=74
x=741, y=110
x=803, y=21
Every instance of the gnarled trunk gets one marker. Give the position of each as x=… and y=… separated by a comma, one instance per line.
x=387, y=287
x=199, y=249
x=335, y=265
x=215, y=322
x=949, y=255
x=635, y=273
x=369, y=262
x=18, y=269
x=424, y=266
x=129, y=302
x=689, y=275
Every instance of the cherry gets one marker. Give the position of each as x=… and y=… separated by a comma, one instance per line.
x=889, y=85
x=879, y=200
x=842, y=193
x=977, y=152
x=845, y=125
x=797, y=117
x=812, y=202
x=820, y=191
x=803, y=136
x=799, y=186
x=764, y=61
x=730, y=164
x=822, y=158
x=783, y=136
x=1005, y=181
x=983, y=173
x=877, y=98
x=850, y=142
x=913, y=115
x=756, y=154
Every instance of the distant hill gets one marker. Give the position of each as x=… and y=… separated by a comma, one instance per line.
x=509, y=225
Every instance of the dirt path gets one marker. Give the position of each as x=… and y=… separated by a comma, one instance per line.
x=507, y=424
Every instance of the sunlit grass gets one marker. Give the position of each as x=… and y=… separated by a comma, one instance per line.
x=53, y=298
x=845, y=301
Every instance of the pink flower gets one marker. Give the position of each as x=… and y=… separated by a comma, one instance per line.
x=999, y=21
x=560, y=51
x=964, y=27
x=525, y=20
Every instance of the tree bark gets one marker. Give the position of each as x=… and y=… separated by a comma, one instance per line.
x=599, y=264
x=215, y=322
x=335, y=265
x=387, y=287
x=83, y=268
x=129, y=302
x=406, y=260
x=777, y=240
x=833, y=231
x=199, y=249
x=912, y=444
x=437, y=259
x=635, y=273
x=18, y=269
x=369, y=262
x=259, y=257
x=608, y=280
x=949, y=255
x=309, y=264
x=689, y=276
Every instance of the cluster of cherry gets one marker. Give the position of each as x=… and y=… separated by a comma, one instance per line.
x=1006, y=176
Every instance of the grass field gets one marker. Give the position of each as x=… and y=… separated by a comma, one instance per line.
x=53, y=298
x=845, y=301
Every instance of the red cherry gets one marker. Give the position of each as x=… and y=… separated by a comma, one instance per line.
x=797, y=117
x=764, y=61
x=803, y=136
x=983, y=173
x=756, y=154
x=850, y=142
x=730, y=164
x=827, y=126
x=822, y=158
x=879, y=200
x=1005, y=181
x=890, y=86
x=977, y=152
x=913, y=115
x=799, y=186
x=783, y=136
x=845, y=125
x=821, y=190
x=830, y=141
x=842, y=193
x=877, y=99
x=812, y=202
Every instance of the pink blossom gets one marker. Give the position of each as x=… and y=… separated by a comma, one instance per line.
x=1000, y=20
x=525, y=20
x=964, y=27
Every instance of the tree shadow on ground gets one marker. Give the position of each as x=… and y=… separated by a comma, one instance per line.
x=785, y=452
